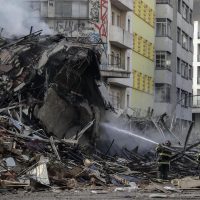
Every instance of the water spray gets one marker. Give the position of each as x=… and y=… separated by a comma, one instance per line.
x=128, y=132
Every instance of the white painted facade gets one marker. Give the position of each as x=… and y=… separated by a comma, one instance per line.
x=121, y=41
x=196, y=64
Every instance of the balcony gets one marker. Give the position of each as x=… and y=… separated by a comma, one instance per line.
x=163, y=76
x=164, y=44
x=125, y=5
x=121, y=38
x=112, y=72
x=164, y=11
x=113, y=67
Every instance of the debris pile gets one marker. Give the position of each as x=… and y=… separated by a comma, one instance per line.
x=28, y=161
x=52, y=100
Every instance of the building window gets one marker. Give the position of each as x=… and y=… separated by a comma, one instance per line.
x=128, y=100
x=198, y=97
x=190, y=100
x=198, y=75
x=162, y=93
x=164, y=2
x=78, y=9
x=118, y=20
x=113, y=18
x=190, y=17
x=38, y=8
x=179, y=35
x=129, y=25
x=184, y=70
x=184, y=98
x=63, y=9
x=184, y=41
x=128, y=63
x=190, y=72
x=179, y=6
x=178, y=95
x=185, y=11
x=178, y=69
x=163, y=60
x=117, y=60
x=115, y=98
x=112, y=58
x=198, y=52
x=163, y=27
x=190, y=45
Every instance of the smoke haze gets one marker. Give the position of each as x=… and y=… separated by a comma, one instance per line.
x=16, y=20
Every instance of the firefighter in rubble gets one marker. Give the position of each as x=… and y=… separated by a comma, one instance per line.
x=163, y=160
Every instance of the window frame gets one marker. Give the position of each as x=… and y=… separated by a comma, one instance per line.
x=185, y=44
x=63, y=12
x=184, y=69
x=164, y=24
x=166, y=92
x=179, y=38
x=185, y=12
x=178, y=65
x=162, y=57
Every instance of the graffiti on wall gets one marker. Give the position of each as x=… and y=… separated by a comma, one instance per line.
x=74, y=28
x=96, y=28
x=102, y=24
x=94, y=11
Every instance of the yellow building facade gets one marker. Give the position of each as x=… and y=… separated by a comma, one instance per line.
x=143, y=55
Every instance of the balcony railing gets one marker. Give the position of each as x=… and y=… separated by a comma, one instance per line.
x=113, y=67
x=120, y=37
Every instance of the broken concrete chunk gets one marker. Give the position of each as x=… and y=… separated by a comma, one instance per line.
x=40, y=173
x=56, y=114
x=10, y=162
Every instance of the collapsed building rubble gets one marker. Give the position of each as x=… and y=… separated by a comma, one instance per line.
x=54, y=81
x=52, y=100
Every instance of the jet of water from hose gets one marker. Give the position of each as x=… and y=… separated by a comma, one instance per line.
x=128, y=132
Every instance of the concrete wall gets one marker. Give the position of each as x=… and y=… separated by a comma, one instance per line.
x=171, y=45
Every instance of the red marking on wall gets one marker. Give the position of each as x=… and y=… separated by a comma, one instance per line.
x=102, y=26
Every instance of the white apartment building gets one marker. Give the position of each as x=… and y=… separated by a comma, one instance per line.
x=196, y=69
x=105, y=21
x=174, y=56
x=196, y=76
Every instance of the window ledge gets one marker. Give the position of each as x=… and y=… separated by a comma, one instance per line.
x=159, y=68
x=164, y=36
x=165, y=4
x=184, y=77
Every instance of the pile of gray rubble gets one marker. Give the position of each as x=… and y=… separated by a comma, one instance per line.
x=52, y=100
